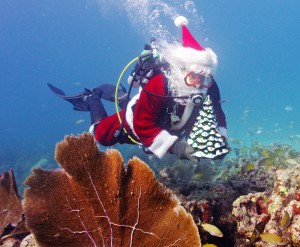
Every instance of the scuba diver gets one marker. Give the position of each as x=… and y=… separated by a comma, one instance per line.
x=174, y=83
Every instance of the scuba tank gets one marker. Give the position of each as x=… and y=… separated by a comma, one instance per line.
x=148, y=65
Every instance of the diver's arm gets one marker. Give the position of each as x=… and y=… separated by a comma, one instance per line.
x=147, y=112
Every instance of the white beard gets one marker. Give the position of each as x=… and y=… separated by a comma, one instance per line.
x=178, y=87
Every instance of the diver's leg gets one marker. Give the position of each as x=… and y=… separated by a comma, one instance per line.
x=96, y=108
x=108, y=93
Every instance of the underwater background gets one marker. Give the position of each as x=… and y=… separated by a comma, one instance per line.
x=83, y=43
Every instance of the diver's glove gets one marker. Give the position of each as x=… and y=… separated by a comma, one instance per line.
x=183, y=150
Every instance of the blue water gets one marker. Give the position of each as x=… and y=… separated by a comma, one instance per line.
x=77, y=44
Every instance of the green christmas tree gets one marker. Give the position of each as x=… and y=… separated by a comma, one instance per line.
x=204, y=137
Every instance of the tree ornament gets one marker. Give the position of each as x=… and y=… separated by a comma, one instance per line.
x=205, y=137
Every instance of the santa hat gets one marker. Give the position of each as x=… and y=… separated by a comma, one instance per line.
x=192, y=53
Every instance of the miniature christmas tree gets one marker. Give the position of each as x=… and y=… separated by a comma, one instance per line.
x=204, y=137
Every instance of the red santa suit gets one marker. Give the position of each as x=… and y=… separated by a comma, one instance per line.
x=157, y=121
x=148, y=118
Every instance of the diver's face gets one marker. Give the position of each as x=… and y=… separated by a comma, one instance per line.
x=193, y=79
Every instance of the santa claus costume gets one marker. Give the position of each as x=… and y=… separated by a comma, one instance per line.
x=165, y=110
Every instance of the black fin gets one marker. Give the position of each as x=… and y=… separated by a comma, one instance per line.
x=78, y=101
x=56, y=90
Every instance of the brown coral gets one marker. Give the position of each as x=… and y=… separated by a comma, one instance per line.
x=276, y=213
x=95, y=201
x=10, y=203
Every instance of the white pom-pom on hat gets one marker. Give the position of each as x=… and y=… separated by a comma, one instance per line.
x=181, y=21
x=187, y=38
x=191, y=53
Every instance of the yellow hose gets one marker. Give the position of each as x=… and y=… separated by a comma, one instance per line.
x=116, y=96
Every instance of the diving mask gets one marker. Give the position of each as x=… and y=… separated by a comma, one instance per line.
x=193, y=79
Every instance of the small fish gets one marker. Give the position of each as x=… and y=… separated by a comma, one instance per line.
x=198, y=176
x=212, y=230
x=79, y=121
x=209, y=245
x=291, y=162
x=272, y=238
x=266, y=162
x=266, y=153
x=248, y=167
x=288, y=108
x=258, y=132
x=285, y=220
x=243, y=150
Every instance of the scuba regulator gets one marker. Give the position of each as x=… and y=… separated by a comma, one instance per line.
x=198, y=98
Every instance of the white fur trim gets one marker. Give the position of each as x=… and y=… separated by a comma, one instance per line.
x=181, y=21
x=129, y=112
x=92, y=129
x=204, y=61
x=161, y=143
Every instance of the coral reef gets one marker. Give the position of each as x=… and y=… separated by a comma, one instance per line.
x=10, y=203
x=201, y=210
x=253, y=199
x=94, y=201
x=219, y=185
x=207, y=202
x=277, y=212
